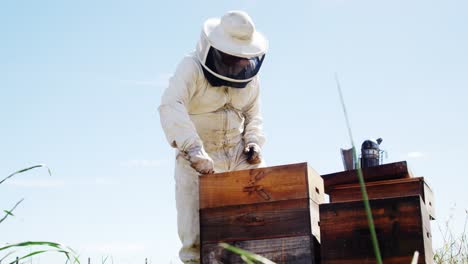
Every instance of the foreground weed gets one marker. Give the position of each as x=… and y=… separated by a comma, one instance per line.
x=44, y=246
x=247, y=256
x=455, y=247
x=370, y=220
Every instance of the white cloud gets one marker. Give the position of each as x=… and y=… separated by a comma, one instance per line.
x=415, y=155
x=37, y=183
x=144, y=163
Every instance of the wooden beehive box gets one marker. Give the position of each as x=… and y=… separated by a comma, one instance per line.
x=402, y=227
x=388, y=171
x=386, y=189
x=270, y=211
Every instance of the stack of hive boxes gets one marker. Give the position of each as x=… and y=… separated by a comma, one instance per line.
x=401, y=204
x=271, y=211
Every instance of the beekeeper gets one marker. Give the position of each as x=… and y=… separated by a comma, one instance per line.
x=210, y=113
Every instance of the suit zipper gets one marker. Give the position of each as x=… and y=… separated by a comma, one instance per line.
x=226, y=123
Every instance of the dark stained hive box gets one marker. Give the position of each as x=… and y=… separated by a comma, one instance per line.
x=386, y=189
x=388, y=171
x=270, y=211
x=296, y=249
x=402, y=227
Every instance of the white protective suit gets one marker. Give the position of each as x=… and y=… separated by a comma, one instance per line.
x=220, y=120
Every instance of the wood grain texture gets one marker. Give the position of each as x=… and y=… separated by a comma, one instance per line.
x=401, y=226
x=294, y=181
x=258, y=221
x=389, y=171
x=285, y=250
x=386, y=189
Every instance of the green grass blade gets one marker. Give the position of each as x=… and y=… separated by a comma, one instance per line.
x=415, y=258
x=247, y=254
x=9, y=212
x=31, y=254
x=345, y=112
x=33, y=243
x=26, y=169
x=246, y=260
x=55, y=247
x=370, y=220
x=6, y=256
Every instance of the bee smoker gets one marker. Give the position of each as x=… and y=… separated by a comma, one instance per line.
x=370, y=153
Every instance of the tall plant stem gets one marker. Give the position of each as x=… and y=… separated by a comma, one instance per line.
x=365, y=198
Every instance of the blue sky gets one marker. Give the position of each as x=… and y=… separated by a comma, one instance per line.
x=81, y=81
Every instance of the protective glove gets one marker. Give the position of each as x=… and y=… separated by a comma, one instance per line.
x=200, y=161
x=252, y=150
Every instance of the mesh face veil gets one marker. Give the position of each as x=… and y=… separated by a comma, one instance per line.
x=233, y=68
x=221, y=68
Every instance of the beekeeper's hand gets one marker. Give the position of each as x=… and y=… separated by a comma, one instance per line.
x=252, y=150
x=200, y=161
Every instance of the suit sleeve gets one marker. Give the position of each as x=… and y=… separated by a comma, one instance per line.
x=179, y=130
x=253, y=132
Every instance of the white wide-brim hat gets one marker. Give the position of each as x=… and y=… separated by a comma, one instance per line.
x=235, y=34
